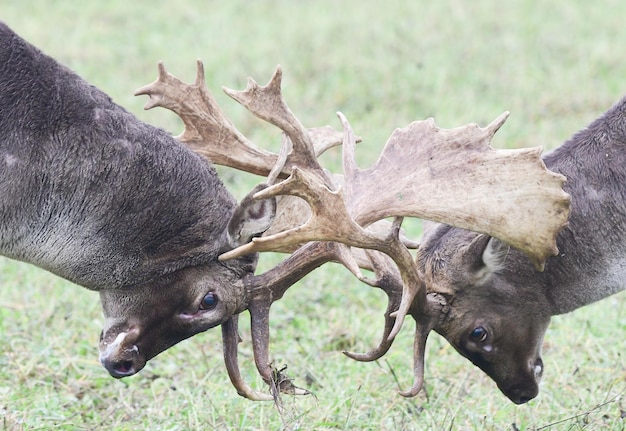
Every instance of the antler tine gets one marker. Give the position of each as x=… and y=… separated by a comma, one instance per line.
x=267, y=103
x=230, y=339
x=210, y=133
x=260, y=329
x=207, y=130
x=435, y=309
x=269, y=287
x=426, y=318
x=389, y=280
x=419, y=354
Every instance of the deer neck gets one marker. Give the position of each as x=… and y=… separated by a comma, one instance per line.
x=591, y=263
x=108, y=211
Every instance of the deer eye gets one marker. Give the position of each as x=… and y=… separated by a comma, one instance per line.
x=479, y=334
x=209, y=301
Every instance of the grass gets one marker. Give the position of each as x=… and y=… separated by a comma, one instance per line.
x=556, y=66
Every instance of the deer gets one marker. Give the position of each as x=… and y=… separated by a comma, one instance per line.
x=355, y=219
x=501, y=304
x=123, y=208
x=498, y=304
x=95, y=196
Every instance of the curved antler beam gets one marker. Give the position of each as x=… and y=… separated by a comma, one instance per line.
x=230, y=340
x=388, y=279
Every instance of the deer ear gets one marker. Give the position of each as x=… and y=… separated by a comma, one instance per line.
x=251, y=218
x=495, y=254
x=483, y=257
x=476, y=249
x=492, y=253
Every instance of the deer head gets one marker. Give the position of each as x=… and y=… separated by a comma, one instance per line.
x=146, y=319
x=449, y=176
x=486, y=307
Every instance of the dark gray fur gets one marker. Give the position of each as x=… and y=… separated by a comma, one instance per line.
x=89, y=192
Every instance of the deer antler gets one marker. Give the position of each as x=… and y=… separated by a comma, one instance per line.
x=450, y=176
x=388, y=279
x=267, y=103
x=454, y=176
x=209, y=132
x=328, y=207
x=230, y=337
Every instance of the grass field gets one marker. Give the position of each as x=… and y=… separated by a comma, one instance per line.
x=555, y=65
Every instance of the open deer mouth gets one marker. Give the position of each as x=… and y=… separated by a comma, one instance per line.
x=122, y=369
x=450, y=176
x=123, y=364
x=119, y=359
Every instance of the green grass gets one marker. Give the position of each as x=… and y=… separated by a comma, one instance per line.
x=556, y=66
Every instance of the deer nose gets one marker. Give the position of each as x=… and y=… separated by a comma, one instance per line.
x=526, y=387
x=123, y=367
x=121, y=357
x=522, y=394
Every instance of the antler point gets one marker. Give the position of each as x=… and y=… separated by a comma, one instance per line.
x=497, y=123
x=277, y=77
x=229, y=91
x=200, y=79
x=161, y=68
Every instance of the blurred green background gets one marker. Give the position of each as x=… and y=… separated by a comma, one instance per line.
x=554, y=65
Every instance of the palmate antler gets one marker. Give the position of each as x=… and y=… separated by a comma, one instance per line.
x=450, y=176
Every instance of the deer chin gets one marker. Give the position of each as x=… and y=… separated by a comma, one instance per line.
x=520, y=386
x=521, y=395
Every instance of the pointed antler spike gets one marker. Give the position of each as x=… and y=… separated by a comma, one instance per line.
x=161, y=70
x=419, y=353
x=230, y=338
x=346, y=258
x=434, y=309
x=200, y=79
x=277, y=78
x=251, y=84
x=349, y=147
x=495, y=125
x=388, y=279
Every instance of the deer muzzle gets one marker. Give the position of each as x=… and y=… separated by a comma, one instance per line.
x=526, y=388
x=121, y=357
